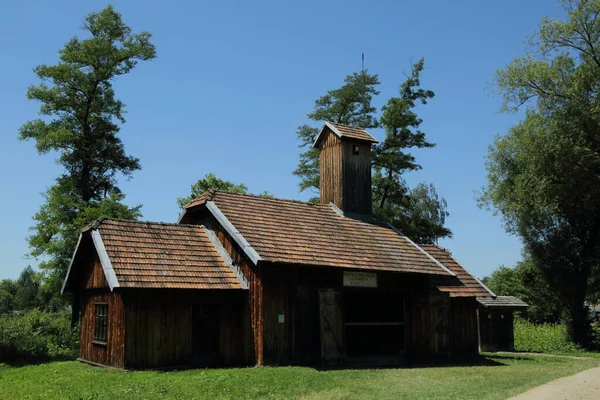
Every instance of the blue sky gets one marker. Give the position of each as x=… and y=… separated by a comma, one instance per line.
x=233, y=80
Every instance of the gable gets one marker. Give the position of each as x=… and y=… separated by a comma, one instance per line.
x=132, y=254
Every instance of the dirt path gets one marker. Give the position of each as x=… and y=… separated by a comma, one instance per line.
x=584, y=385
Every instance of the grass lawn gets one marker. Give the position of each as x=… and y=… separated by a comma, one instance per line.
x=502, y=377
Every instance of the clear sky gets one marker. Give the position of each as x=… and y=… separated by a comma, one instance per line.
x=233, y=80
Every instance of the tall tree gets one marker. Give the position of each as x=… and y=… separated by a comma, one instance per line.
x=420, y=213
x=392, y=198
x=544, y=174
x=81, y=117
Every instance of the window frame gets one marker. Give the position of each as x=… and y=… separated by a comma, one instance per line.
x=100, y=323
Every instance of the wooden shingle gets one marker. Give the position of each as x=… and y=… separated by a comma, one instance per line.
x=293, y=232
x=160, y=255
x=464, y=284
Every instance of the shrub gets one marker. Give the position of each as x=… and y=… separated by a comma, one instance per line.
x=542, y=338
x=37, y=336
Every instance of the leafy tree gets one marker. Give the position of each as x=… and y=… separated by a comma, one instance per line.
x=81, y=117
x=544, y=173
x=8, y=289
x=210, y=181
x=28, y=288
x=525, y=282
x=420, y=213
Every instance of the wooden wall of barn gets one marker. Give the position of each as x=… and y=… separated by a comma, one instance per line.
x=95, y=290
x=184, y=328
x=110, y=353
x=251, y=330
x=463, y=326
x=430, y=321
x=442, y=325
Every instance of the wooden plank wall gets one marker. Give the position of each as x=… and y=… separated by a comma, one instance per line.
x=331, y=170
x=252, y=317
x=345, y=178
x=430, y=318
x=159, y=329
x=112, y=353
x=278, y=295
x=464, y=326
x=356, y=170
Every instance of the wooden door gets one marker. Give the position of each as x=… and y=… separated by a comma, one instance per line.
x=332, y=326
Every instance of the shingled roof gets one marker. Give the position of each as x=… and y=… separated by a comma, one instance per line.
x=346, y=131
x=287, y=231
x=464, y=284
x=507, y=302
x=159, y=255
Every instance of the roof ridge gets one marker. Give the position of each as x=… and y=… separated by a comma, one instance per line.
x=269, y=198
x=99, y=221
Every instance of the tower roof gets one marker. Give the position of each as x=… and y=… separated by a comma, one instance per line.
x=345, y=131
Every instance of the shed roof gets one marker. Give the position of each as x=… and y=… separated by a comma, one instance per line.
x=159, y=255
x=502, y=302
x=345, y=131
x=287, y=231
x=464, y=284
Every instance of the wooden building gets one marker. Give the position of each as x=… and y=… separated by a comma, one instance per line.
x=252, y=280
x=496, y=322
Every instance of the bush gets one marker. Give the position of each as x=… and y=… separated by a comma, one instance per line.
x=37, y=336
x=542, y=338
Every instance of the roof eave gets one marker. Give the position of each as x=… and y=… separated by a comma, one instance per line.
x=64, y=285
x=233, y=232
x=109, y=272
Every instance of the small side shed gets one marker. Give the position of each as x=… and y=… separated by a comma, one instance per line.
x=495, y=317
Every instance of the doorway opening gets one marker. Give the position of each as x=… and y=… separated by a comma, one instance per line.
x=374, y=324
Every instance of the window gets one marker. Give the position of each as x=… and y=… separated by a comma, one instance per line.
x=355, y=149
x=101, y=322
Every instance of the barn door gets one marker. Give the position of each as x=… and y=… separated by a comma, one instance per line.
x=332, y=326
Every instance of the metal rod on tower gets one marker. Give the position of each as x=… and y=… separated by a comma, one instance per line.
x=363, y=62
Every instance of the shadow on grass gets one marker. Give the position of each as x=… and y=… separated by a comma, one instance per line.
x=27, y=362
x=425, y=362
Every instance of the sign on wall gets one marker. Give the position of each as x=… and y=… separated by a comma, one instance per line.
x=360, y=279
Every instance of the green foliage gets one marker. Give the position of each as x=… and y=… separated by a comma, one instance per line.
x=543, y=174
x=80, y=123
x=542, y=338
x=420, y=213
x=37, y=336
x=210, y=181
x=496, y=377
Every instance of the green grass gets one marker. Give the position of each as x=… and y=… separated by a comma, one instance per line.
x=502, y=377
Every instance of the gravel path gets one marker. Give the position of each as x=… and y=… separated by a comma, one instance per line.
x=584, y=385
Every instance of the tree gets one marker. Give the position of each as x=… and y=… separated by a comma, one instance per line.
x=525, y=282
x=544, y=174
x=81, y=117
x=8, y=289
x=210, y=181
x=420, y=213
x=28, y=288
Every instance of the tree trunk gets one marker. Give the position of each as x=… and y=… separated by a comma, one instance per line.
x=578, y=321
